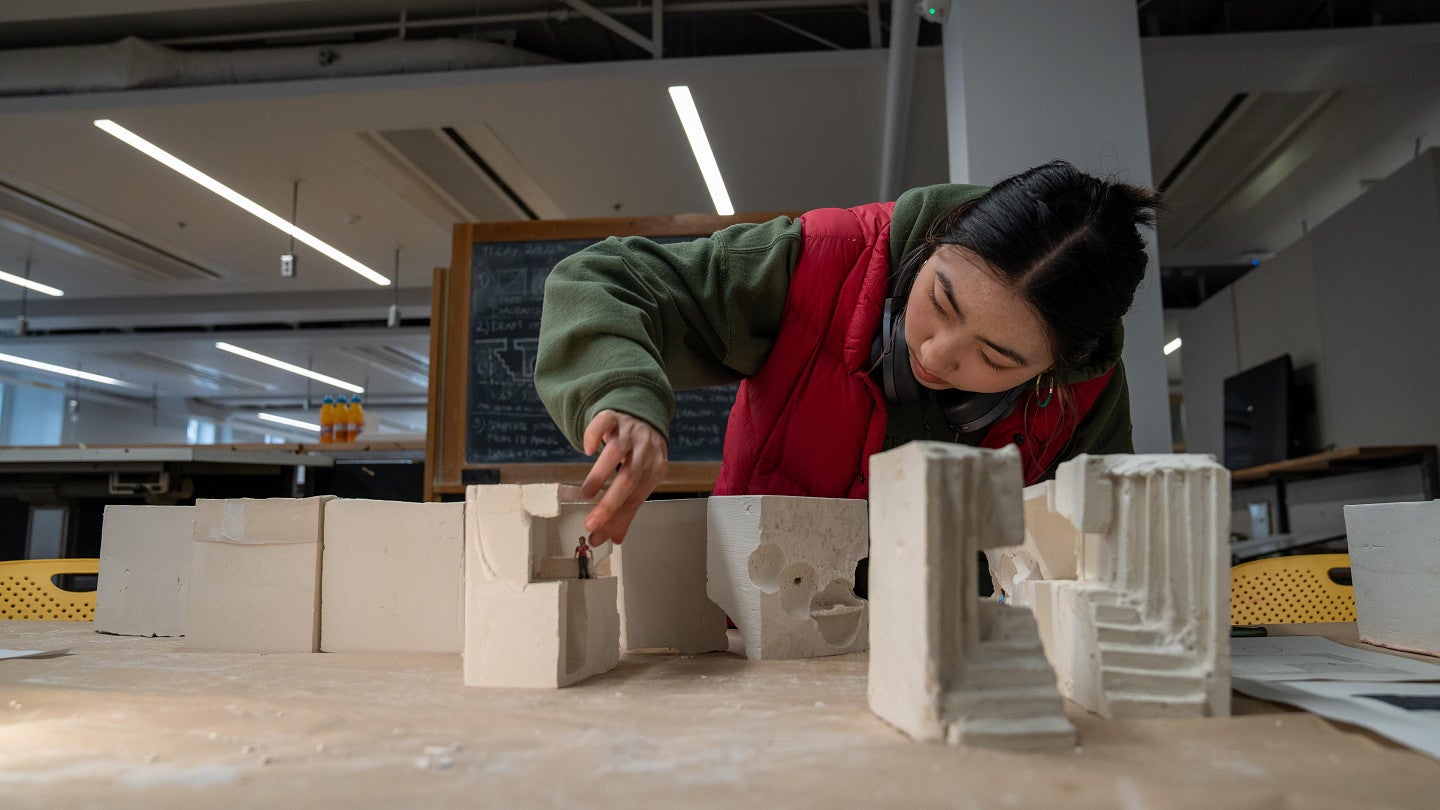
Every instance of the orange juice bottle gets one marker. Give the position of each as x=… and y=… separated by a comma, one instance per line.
x=327, y=420
x=357, y=417
x=342, y=419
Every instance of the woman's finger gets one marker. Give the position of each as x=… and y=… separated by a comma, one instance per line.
x=611, y=457
x=604, y=424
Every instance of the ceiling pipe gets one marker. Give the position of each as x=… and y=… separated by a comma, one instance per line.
x=899, y=76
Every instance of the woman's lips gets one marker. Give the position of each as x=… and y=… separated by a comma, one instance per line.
x=922, y=375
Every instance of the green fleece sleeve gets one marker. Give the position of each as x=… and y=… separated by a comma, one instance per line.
x=629, y=321
x=1106, y=429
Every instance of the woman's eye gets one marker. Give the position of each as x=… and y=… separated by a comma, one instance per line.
x=935, y=302
x=993, y=364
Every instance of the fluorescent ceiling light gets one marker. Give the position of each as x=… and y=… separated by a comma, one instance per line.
x=68, y=372
x=285, y=420
x=290, y=367
x=236, y=197
x=700, y=145
x=1172, y=346
x=33, y=285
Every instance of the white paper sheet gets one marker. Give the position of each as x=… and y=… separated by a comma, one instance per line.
x=1408, y=713
x=32, y=653
x=1311, y=658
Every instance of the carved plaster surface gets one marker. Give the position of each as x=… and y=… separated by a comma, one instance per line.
x=946, y=665
x=1395, y=563
x=783, y=569
x=661, y=572
x=1139, y=628
x=528, y=622
x=1047, y=553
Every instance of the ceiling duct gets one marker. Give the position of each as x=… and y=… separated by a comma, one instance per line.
x=72, y=232
x=199, y=376
x=282, y=402
x=133, y=63
x=403, y=363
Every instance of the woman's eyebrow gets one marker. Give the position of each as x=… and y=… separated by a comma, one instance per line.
x=1010, y=353
x=949, y=289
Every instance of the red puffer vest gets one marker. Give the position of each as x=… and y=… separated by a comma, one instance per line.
x=808, y=421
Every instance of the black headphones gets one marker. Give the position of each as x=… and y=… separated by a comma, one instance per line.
x=964, y=411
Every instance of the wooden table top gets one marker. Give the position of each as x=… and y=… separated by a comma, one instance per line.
x=140, y=722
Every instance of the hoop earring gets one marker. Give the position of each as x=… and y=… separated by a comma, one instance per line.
x=1049, y=395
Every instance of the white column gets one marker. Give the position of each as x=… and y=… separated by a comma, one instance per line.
x=1028, y=81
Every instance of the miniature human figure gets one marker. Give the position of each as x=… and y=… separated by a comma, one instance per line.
x=582, y=554
x=983, y=316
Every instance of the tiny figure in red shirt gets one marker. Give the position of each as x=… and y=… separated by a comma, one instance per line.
x=582, y=553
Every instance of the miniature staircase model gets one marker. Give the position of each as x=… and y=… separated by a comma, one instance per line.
x=945, y=664
x=1151, y=592
x=1137, y=664
x=1010, y=685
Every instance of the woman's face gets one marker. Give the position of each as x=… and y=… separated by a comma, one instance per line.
x=967, y=330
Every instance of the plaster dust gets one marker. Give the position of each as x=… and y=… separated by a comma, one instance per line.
x=139, y=722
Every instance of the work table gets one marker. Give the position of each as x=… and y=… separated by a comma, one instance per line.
x=140, y=722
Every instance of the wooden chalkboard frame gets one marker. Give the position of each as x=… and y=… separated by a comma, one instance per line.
x=445, y=465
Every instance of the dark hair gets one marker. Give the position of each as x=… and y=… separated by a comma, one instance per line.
x=1068, y=242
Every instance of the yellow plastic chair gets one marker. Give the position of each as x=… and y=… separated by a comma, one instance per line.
x=27, y=590
x=1291, y=590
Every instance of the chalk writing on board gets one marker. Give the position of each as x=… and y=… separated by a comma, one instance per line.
x=505, y=420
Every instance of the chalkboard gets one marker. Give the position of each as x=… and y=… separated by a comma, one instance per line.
x=505, y=421
x=485, y=422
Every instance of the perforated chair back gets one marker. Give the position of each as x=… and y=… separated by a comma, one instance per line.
x=1291, y=590
x=28, y=590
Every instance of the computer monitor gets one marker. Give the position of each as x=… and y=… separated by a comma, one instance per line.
x=1258, y=426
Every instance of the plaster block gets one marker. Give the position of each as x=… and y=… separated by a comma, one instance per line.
x=783, y=569
x=527, y=624
x=1395, y=565
x=1140, y=627
x=946, y=665
x=392, y=577
x=255, y=575
x=661, y=573
x=144, y=578
x=546, y=635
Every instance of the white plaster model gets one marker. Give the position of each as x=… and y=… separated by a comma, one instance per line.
x=1047, y=553
x=1395, y=565
x=783, y=569
x=945, y=664
x=1141, y=629
x=392, y=577
x=661, y=573
x=144, y=570
x=255, y=575
x=522, y=629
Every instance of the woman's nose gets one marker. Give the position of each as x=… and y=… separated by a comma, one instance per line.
x=941, y=354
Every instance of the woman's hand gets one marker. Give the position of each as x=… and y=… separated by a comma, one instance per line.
x=637, y=455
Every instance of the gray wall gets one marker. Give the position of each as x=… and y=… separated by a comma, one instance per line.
x=1377, y=272
x=1356, y=304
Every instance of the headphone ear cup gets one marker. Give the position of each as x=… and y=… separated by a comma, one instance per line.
x=889, y=354
x=896, y=379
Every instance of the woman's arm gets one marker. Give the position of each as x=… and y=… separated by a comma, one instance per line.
x=626, y=322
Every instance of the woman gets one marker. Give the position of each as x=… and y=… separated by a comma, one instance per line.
x=957, y=313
